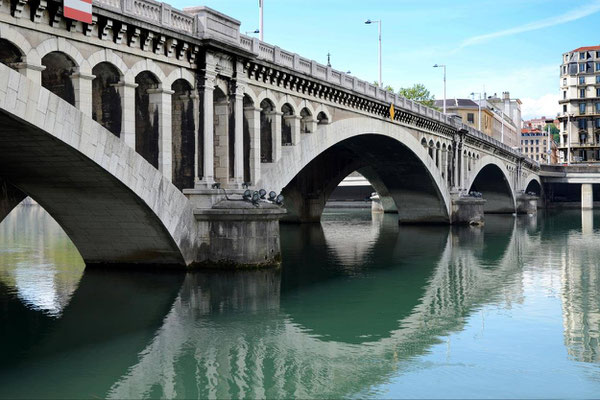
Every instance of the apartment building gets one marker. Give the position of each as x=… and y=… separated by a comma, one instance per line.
x=580, y=106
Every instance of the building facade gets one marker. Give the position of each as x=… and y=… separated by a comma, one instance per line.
x=580, y=105
x=536, y=144
x=496, y=116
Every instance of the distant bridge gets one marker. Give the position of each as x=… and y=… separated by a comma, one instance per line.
x=122, y=127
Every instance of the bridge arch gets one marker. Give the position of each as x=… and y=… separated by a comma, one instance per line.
x=10, y=54
x=533, y=184
x=395, y=157
x=180, y=74
x=63, y=46
x=17, y=39
x=489, y=177
x=108, y=56
x=145, y=65
x=115, y=207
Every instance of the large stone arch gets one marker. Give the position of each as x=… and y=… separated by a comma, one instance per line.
x=431, y=205
x=529, y=180
x=500, y=198
x=115, y=207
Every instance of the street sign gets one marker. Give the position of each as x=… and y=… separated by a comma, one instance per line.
x=79, y=10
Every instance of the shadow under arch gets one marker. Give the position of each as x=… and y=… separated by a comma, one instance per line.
x=391, y=165
x=493, y=183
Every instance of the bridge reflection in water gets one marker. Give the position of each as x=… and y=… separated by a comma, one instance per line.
x=358, y=300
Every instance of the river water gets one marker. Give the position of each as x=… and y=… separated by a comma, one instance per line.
x=361, y=308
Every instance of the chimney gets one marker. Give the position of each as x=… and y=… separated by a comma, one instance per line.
x=506, y=95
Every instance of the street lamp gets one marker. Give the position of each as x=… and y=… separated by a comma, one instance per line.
x=569, y=138
x=260, y=18
x=443, y=66
x=253, y=32
x=378, y=22
x=549, y=150
x=479, y=117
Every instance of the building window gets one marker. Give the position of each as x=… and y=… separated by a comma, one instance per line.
x=526, y=150
x=564, y=81
x=582, y=108
x=582, y=67
x=526, y=141
x=582, y=80
x=521, y=141
x=537, y=149
x=597, y=123
x=582, y=123
x=531, y=149
x=597, y=92
x=597, y=78
x=471, y=118
x=582, y=93
x=598, y=54
x=537, y=141
x=598, y=66
x=545, y=142
x=564, y=69
x=564, y=94
x=597, y=108
x=564, y=108
x=537, y=156
x=565, y=124
x=582, y=55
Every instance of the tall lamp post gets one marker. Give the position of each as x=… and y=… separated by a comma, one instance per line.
x=569, y=139
x=443, y=66
x=378, y=22
x=549, y=149
x=479, y=115
x=260, y=18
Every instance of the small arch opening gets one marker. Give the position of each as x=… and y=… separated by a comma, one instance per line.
x=286, y=124
x=147, y=117
x=266, y=131
x=106, y=100
x=56, y=77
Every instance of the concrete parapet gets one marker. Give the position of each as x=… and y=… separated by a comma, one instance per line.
x=238, y=234
x=467, y=211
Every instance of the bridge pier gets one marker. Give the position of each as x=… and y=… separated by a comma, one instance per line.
x=527, y=204
x=587, y=196
x=467, y=210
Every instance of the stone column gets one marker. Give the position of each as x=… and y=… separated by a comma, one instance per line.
x=196, y=104
x=127, y=92
x=294, y=123
x=587, y=196
x=31, y=71
x=207, y=89
x=238, y=150
x=444, y=164
x=276, y=134
x=253, y=116
x=82, y=85
x=162, y=99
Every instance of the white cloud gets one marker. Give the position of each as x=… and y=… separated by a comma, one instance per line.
x=569, y=16
x=544, y=106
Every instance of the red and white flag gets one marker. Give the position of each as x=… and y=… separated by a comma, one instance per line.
x=80, y=10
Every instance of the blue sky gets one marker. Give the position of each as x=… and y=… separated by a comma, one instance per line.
x=491, y=46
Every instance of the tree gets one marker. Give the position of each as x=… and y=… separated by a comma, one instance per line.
x=418, y=93
x=554, y=131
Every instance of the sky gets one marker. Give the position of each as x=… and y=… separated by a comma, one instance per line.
x=487, y=46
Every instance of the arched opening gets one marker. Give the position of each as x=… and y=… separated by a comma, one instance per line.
x=431, y=149
x=57, y=75
x=306, y=121
x=248, y=146
x=106, y=100
x=10, y=54
x=534, y=188
x=223, y=130
x=266, y=131
x=183, y=138
x=322, y=118
x=437, y=154
x=146, y=117
x=390, y=166
x=493, y=185
x=286, y=124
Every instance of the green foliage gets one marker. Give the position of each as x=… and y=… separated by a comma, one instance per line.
x=418, y=93
x=553, y=129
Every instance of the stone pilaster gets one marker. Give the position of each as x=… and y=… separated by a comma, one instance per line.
x=207, y=88
x=82, y=85
x=294, y=123
x=31, y=71
x=162, y=99
x=238, y=161
x=127, y=92
x=276, y=134
x=253, y=116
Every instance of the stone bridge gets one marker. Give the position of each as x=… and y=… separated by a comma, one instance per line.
x=133, y=130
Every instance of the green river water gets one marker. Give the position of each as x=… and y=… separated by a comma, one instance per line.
x=361, y=308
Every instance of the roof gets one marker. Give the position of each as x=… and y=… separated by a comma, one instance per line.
x=588, y=48
x=456, y=103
